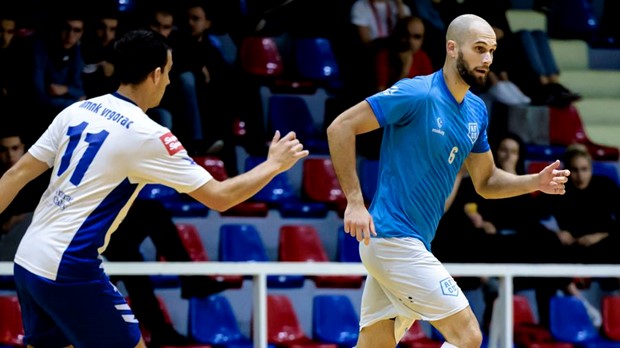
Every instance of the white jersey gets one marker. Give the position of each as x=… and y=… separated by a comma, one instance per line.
x=103, y=150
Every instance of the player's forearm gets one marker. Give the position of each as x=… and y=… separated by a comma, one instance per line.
x=503, y=184
x=240, y=188
x=342, y=151
x=11, y=182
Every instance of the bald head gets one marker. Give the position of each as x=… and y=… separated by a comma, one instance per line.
x=467, y=26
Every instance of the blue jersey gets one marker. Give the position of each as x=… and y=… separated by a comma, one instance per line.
x=427, y=136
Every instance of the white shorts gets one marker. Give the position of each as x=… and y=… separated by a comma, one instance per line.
x=406, y=283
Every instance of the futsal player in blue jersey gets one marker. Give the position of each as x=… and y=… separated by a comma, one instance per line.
x=103, y=151
x=433, y=125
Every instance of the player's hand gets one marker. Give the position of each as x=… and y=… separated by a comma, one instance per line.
x=286, y=151
x=552, y=179
x=358, y=222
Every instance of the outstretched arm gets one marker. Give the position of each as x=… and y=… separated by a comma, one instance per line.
x=221, y=195
x=341, y=136
x=492, y=182
x=14, y=179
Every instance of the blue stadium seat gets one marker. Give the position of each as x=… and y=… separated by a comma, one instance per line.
x=569, y=322
x=211, y=320
x=348, y=247
x=291, y=113
x=279, y=194
x=315, y=60
x=179, y=205
x=608, y=169
x=334, y=320
x=242, y=242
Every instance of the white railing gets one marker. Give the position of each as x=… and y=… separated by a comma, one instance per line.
x=501, y=325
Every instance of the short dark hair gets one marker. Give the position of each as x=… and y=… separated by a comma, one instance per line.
x=138, y=53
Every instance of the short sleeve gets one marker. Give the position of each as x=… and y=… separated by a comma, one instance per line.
x=399, y=103
x=45, y=149
x=164, y=160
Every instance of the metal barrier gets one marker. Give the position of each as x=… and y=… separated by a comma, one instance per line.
x=501, y=324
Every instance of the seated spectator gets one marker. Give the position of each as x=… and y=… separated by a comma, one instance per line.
x=588, y=225
x=97, y=48
x=16, y=218
x=539, y=76
x=374, y=21
x=403, y=56
x=55, y=80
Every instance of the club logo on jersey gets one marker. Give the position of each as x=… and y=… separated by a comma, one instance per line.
x=472, y=132
x=172, y=144
x=449, y=287
x=439, y=125
x=390, y=90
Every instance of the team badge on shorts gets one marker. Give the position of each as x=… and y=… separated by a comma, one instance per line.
x=449, y=287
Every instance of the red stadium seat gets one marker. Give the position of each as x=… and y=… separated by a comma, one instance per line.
x=526, y=330
x=292, y=237
x=283, y=328
x=260, y=56
x=320, y=184
x=611, y=317
x=11, y=328
x=195, y=248
x=215, y=166
x=566, y=127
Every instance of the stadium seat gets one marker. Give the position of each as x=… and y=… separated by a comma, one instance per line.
x=334, y=320
x=211, y=320
x=242, y=242
x=608, y=169
x=416, y=338
x=320, y=184
x=291, y=113
x=179, y=205
x=526, y=330
x=11, y=328
x=283, y=328
x=260, y=56
x=569, y=321
x=544, y=152
x=294, y=236
x=315, y=59
x=279, y=194
x=215, y=166
x=369, y=177
x=348, y=247
x=197, y=252
x=566, y=127
x=611, y=317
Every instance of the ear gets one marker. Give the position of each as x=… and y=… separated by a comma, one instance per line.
x=451, y=49
x=156, y=75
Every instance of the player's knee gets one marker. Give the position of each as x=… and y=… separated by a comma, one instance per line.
x=470, y=338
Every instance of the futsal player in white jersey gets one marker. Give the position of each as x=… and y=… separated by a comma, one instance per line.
x=103, y=151
x=432, y=126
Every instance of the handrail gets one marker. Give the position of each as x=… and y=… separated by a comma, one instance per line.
x=501, y=324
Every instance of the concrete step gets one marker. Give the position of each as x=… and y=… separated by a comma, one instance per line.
x=592, y=83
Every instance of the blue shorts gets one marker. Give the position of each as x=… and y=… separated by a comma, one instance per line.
x=90, y=314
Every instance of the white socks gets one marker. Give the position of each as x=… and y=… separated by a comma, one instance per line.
x=448, y=345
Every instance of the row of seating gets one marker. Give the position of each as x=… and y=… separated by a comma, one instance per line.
x=242, y=243
x=320, y=192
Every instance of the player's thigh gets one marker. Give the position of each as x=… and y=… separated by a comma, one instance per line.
x=460, y=329
x=377, y=335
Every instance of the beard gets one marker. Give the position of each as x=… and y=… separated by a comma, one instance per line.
x=469, y=75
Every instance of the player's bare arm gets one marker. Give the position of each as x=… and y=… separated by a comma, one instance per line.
x=492, y=182
x=341, y=136
x=24, y=171
x=221, y=195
